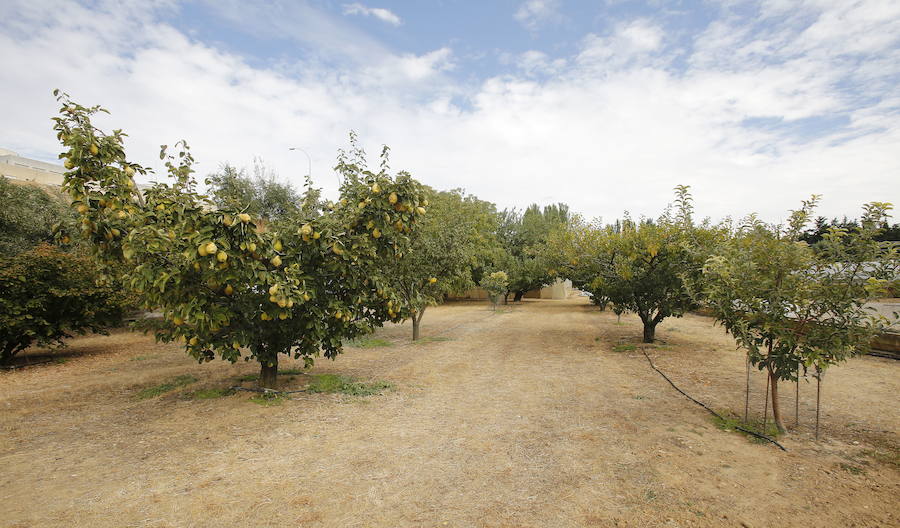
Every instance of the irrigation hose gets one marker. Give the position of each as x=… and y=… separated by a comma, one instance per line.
x=714, y=413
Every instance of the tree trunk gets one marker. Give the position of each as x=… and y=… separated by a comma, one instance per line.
x=10, y=350
x=649, y=331
x=416, y=321
x=506, y=298
x=518, y=296
x=268, y=375
x=776, y=407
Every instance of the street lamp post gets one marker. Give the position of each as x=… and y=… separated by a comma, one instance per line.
x=308, y=159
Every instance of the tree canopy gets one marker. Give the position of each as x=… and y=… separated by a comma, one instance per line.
x=229, y=286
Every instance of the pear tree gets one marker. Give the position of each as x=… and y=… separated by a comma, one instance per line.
x=444, y=249
x=643, y=267
x=228, y=286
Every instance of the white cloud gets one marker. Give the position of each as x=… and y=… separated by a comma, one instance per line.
x=534, y=13
x=533, y=62
x=634, y=40
x=610, y=127
x=384, y=15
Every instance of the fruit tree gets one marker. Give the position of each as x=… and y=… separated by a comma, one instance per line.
x=226, y=286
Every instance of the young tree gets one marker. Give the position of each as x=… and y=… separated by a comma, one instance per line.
x=225, y=285
x=792, y=307
x=496, y=284
x=443, y=250
x=46, y=295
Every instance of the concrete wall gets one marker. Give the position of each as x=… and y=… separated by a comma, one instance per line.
x=558, y=290
x=18, y=168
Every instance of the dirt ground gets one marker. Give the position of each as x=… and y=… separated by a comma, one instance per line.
x=524, y=417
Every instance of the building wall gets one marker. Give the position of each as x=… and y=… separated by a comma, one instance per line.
x=561, y=289
x=16, y=167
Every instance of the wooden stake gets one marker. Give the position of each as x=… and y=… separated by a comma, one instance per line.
x=797, y=400
x=818, y=398
x=747, y=392
x=766, y=409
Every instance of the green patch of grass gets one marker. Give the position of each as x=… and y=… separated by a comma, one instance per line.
x=142, y=358
x=855, y=470
x=368, y=342
x=152, y=392
x=60, y=361
x=887, y=456
x=285, y=372
x=731, y=423
x=624, y=348
x=431, y=339
x=269, y=399
x=208, y=394
x=334, y=383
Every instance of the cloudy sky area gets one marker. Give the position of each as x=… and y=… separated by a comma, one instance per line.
x=603, y=105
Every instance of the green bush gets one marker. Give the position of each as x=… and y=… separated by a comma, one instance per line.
x=46, y=295
x=28, y=215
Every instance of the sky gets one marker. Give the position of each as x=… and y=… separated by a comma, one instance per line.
x=603, y=105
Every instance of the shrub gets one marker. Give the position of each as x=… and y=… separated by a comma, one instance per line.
x=46, y=295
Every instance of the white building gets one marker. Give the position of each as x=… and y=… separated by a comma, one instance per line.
x=16, y=167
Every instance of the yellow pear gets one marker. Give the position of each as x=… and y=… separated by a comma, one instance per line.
x=212, y=248
x=392, y=198
x=276, y=261
x=244, y=217
x=277, y=245
x=228, y=289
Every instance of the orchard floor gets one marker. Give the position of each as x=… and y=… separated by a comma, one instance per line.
x=523, y=417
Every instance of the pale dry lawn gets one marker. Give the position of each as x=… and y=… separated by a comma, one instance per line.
x=524, y=417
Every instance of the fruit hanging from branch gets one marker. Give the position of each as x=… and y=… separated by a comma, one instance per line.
x=284, y=282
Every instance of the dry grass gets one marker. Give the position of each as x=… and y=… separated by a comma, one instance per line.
x=524, y=419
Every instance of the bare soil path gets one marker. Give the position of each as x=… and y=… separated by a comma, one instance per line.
x=544, y=414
